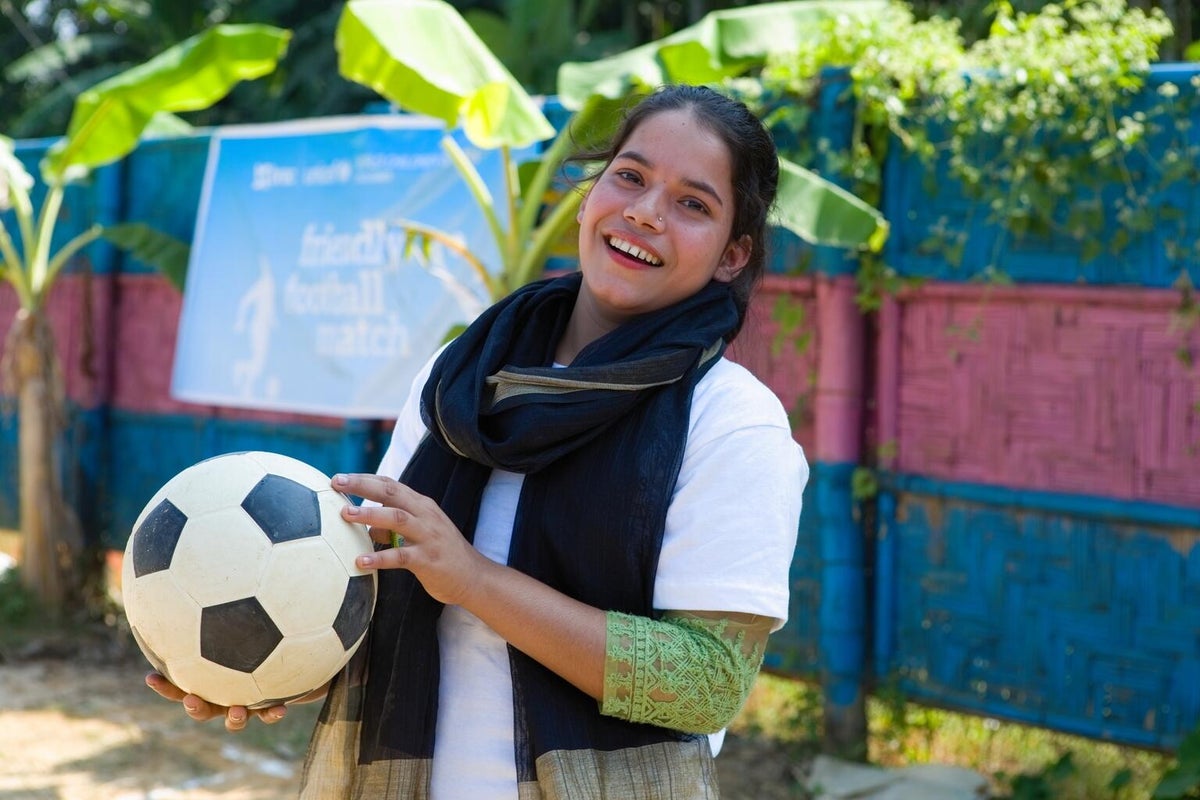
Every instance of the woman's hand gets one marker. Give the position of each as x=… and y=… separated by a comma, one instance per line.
x=565, y=635
x=430, y=545
x=201, y=710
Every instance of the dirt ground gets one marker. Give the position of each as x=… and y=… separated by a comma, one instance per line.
x=77, y=723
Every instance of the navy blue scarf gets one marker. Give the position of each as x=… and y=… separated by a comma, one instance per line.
x=600, y=443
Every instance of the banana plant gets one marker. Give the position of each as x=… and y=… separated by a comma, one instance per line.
x=423, y=57
x=106, y=124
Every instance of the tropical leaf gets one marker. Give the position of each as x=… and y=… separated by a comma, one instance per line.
x=422, y=56
x=162, y=251
x=721, y=45
x=822, y=212
x=110, y=117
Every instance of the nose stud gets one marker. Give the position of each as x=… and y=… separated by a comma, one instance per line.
x=660, y=219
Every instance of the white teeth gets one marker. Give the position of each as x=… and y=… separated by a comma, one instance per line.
x=635, y=251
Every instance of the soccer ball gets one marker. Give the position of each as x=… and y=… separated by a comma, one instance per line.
x=239, y=581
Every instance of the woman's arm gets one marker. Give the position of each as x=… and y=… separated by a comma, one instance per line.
x=689, y=671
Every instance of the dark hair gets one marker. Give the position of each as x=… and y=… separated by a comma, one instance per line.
x=752, y=155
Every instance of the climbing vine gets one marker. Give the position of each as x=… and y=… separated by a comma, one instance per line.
x=1046, y=126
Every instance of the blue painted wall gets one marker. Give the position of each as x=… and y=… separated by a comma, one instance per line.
x=1063, y=611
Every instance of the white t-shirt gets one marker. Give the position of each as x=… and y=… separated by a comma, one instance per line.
x=730, y=535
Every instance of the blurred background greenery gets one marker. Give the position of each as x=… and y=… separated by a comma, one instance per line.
x=53, y=49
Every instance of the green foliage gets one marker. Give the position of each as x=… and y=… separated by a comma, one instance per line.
x=1042, y=785
x=1043, y=124
x=532, y=37
x=150, y=246
x=422, y=56
x=1182, y=781
x=53, y=50
x=784, y=709
x=107, y=121
x=109, y=118
x=864, y=484
x=792, y=326
x=17, y=605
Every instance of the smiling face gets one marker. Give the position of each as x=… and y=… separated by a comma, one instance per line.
x=655, y=226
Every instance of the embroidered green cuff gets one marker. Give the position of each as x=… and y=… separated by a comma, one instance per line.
x=687, y=671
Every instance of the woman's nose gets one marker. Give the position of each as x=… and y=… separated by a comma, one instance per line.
x=645, y=210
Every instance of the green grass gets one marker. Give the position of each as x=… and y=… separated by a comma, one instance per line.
x=1020, y=761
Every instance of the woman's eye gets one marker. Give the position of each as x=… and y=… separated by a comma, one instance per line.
x=695, y=205
x=628, y=175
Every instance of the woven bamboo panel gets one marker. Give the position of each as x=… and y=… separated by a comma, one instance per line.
x=1031, y=391
x=1077, y=624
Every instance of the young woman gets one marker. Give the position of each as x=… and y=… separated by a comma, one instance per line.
x=595, y=512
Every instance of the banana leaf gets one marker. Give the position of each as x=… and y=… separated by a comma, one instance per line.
x=162, y=250
x=722, y=44
x=821, y=212
x=110, y=117
x=424, y=57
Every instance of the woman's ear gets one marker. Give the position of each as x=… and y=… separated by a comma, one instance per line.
x=582, y=203
x=735, y=257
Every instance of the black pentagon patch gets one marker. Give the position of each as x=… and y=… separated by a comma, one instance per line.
x=238, y=635
x=284, y=509
x=355, y=613
x=155, y=539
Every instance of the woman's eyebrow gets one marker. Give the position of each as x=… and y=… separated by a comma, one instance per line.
x=698, y=185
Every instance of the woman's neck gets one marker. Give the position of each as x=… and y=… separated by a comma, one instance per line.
x=582, y=329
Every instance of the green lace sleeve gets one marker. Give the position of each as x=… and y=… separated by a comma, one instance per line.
x=690, y=671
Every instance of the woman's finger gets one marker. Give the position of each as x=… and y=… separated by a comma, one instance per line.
x=196, y=707
x=200, y=709
x=271, y=715
x=392, y=558
x=379, y=488
x=382, y=518
x=236, y=718
x=163, y=687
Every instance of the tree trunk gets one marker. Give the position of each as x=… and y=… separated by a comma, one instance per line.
x=50, y=531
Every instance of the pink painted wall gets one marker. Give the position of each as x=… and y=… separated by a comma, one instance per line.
x=139, y=313
x=777, y=358
x=1060, y=389
x=80, y=312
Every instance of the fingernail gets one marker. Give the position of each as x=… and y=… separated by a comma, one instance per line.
x=339, y=479
x=191, y=705
x=352, y=510
x=237, y=716
x=365, y=561
x=278, y=713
